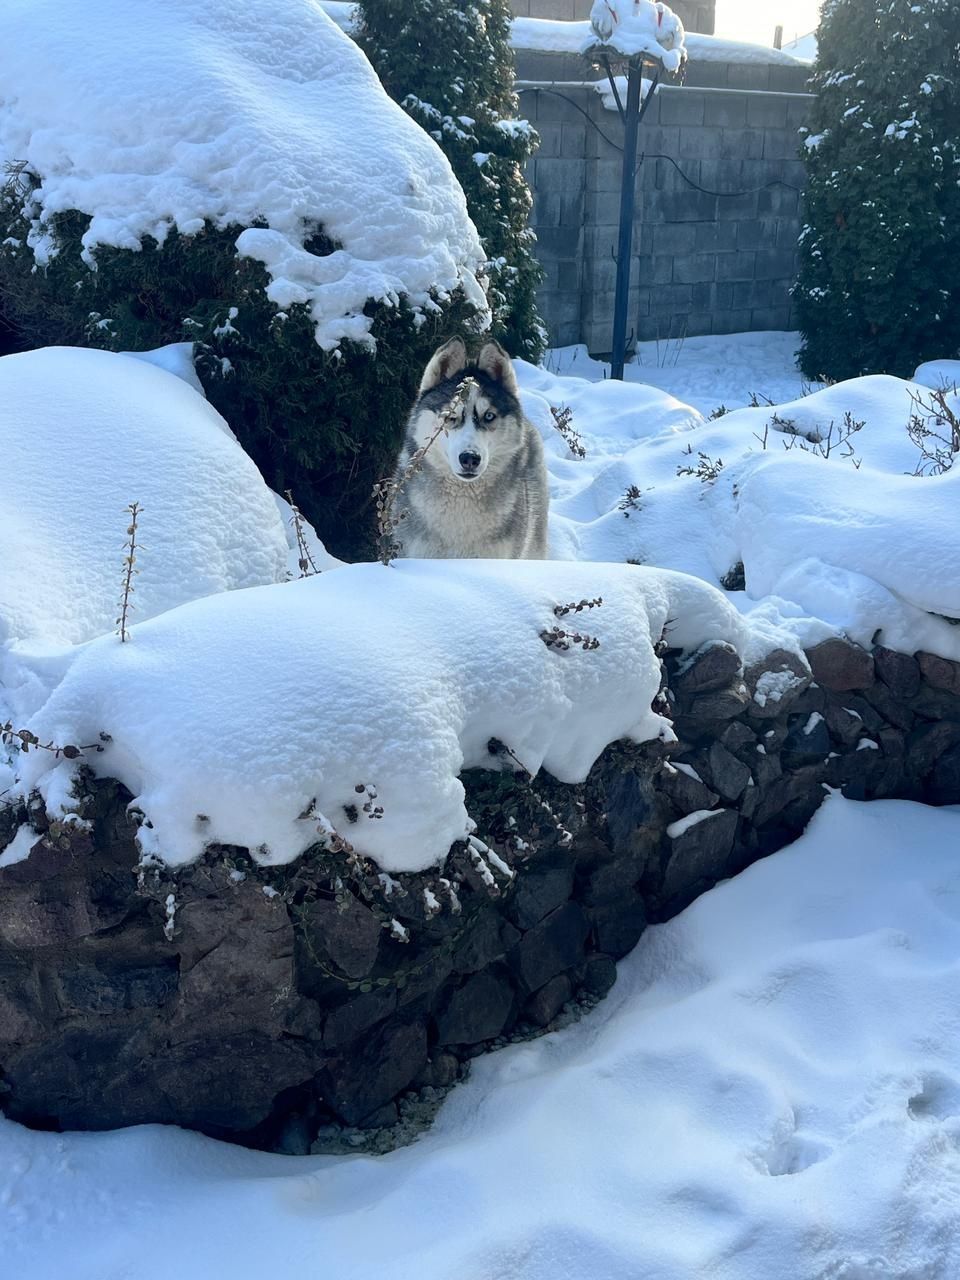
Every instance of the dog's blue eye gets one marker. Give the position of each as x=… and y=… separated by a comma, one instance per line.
x=489, y=416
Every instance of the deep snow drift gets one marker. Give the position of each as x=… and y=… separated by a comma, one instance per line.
x=770, y=1091
x=251, y=717
x=271, y=116
x=814, y=496
x=85, y=433
x=395, y=677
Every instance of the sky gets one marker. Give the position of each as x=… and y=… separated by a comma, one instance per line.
x=756, y=19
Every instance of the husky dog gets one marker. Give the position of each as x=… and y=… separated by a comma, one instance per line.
x=481, y=490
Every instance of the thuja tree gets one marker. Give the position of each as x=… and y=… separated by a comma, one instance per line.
x=324, y=425
x=449, y=64
x=879, y=284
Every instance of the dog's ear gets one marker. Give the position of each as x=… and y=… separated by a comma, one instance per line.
x=496, y=364
x=444, y=363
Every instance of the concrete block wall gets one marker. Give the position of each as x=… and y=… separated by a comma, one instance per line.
x=702, y=263
x=696, y=15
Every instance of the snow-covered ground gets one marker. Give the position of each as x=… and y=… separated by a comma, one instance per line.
x=704, y=372
x=770, y=1092
x=795, y=510
x=810, y=493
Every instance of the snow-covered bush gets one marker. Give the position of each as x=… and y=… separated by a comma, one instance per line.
x=83, y=434
x=233, y=174
x=879, y=286
x=449, y=64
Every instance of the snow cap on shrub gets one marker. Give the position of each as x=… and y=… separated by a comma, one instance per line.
x=251, y=113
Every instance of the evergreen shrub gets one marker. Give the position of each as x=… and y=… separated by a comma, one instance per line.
x=879, y=283
x=450, y=66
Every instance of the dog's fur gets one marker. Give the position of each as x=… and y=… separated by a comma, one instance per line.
x=494, y=504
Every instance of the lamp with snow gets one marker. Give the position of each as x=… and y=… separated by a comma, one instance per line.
x=639, y=34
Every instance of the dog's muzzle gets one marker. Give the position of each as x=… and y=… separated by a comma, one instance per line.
x=469, y=464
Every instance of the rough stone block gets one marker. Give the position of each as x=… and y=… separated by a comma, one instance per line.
x=776, y=264
x=727, y=110
x=839, y=665
x=770, y=319
x=478, y=1010
x=715, y=237
x=695, y=268
x=940, y=673
x=757, y=233
x=699, y=854
x=748, y=75
x=738, y=265
x=899, y=672
x=697, y=144
x=544, y=1005
x=732, y=321
x=551, y=947
x=681, y=106
x=740, y=144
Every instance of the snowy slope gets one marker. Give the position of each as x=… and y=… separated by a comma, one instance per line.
x=770, y=1092
x=238, y=112
x=852, y=542
x=83, y=434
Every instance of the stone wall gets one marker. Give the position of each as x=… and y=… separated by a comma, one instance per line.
x=696, y=15
x=701, y=263
x=270, y=1005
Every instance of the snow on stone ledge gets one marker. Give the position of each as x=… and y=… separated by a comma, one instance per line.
x=83, y=434
x=256, y=708
x=159, y=116
x=549, y=35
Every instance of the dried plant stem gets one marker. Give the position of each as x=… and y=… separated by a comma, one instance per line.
x=129, y=568
x=387, y=491
x=305, y=561
x=25, y=740
x=563, y=421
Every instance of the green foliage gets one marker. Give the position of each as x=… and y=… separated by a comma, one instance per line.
x=325, y=426
x=449, y=65
x=879, y=286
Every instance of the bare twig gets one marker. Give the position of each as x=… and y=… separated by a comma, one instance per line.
x=387, y=491
x=934, y=427
x=129, y=570
x=563, y=421
x=306, y=563
x=25, y=740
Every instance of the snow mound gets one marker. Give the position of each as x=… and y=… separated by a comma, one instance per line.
x=772, y=1089
x=84, y=433
x=814, y=497
x=264, y=710
x=939, y=375
x=638, y=26
x=245, y=112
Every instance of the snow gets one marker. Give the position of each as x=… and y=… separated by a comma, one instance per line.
x=939, y=375
x=637, y=26
x=682, y=825
x=814, y=533
x=84, y=434
x=20, y=847
x=771, y=1089
x=320, y=704
x=809, y=496
x=271, y=116
x=554, y=35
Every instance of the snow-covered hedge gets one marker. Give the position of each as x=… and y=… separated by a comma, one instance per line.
x=233, y=174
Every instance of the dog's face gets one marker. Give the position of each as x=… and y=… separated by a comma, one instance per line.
x=486, y=427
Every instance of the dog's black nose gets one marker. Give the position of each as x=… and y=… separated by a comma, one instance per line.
x=469, y=460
